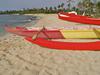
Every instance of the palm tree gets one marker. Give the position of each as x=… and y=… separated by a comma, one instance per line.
x=59, y=6
x=62, y=5
x=69, y=3
x=46, y=8
x=50, y=9
x=41, y=10
x=80, y=7
x=55, y=8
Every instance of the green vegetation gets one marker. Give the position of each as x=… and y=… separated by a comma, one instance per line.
x=46, y=10
x=86, y=7
x=89, y=8
x=98, y=9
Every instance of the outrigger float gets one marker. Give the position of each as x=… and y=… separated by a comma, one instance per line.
x=43, y=38
x=73, y=17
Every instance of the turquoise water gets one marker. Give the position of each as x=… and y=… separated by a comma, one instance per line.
x=14, y=20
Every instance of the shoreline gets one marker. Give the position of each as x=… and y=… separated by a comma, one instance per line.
x=25, y=25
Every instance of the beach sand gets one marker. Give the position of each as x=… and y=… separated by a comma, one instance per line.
x=20, y=57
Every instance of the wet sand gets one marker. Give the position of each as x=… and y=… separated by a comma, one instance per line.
x=20, y=57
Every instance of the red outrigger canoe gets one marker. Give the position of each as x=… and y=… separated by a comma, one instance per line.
x=91, y=46
x=78, y=18
x=44, y=35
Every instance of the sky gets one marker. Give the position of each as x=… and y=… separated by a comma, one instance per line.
x=19, y=4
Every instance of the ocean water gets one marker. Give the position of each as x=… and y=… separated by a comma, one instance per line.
x=14, y=20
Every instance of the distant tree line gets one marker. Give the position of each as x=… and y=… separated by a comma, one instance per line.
x=48, y=10
x=86, y=7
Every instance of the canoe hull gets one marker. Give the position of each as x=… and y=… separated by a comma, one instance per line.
x=66, y=45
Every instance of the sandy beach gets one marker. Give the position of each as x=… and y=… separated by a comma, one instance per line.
x=20, y=57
